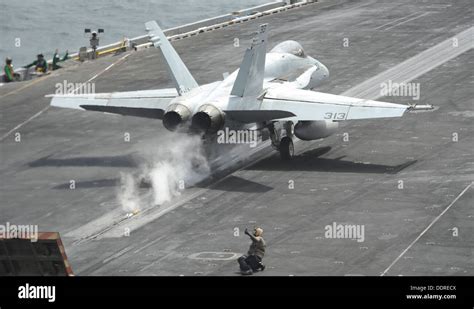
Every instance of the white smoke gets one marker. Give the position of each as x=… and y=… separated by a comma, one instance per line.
x=127, y=194
x=164, y=182
x=174, y=164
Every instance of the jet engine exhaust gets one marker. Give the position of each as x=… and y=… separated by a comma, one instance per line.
x=176, y=115
x=208, y=119
x=201, y=121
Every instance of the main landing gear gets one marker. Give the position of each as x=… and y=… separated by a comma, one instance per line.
x=281, y=135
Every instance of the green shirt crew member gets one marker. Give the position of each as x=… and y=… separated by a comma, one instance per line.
x=10, y=75
x=57, y=59
x=40, y=64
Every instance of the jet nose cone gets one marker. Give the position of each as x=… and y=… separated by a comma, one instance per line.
x=321, y=67
x=324, y=69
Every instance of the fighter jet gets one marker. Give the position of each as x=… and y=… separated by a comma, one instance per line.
x=270, y=91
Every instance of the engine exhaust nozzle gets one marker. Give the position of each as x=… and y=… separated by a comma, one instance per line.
x=208, y=118
x=175, y=115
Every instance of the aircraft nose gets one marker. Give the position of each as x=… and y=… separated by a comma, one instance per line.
x=324, y=69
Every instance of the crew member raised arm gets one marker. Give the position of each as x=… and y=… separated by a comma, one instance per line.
x=252, y=262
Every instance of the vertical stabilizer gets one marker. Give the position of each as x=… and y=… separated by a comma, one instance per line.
x=183, y=79
x=249, y=81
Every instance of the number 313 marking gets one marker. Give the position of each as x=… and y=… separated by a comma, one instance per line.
x=335, y=116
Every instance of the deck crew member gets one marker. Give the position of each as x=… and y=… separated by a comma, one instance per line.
x=57, y=59
x=10, y=75
x=41, y=66
x=253, y=260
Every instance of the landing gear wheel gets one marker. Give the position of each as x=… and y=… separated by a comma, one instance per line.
x=287, y=150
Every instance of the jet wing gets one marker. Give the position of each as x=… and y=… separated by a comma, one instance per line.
x=143, y=103
x=305, y=105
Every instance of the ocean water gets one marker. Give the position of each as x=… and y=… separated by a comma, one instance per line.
x=30, y=27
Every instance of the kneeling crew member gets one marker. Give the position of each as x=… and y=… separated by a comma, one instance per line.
x=41, y=66
x=253, y=260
